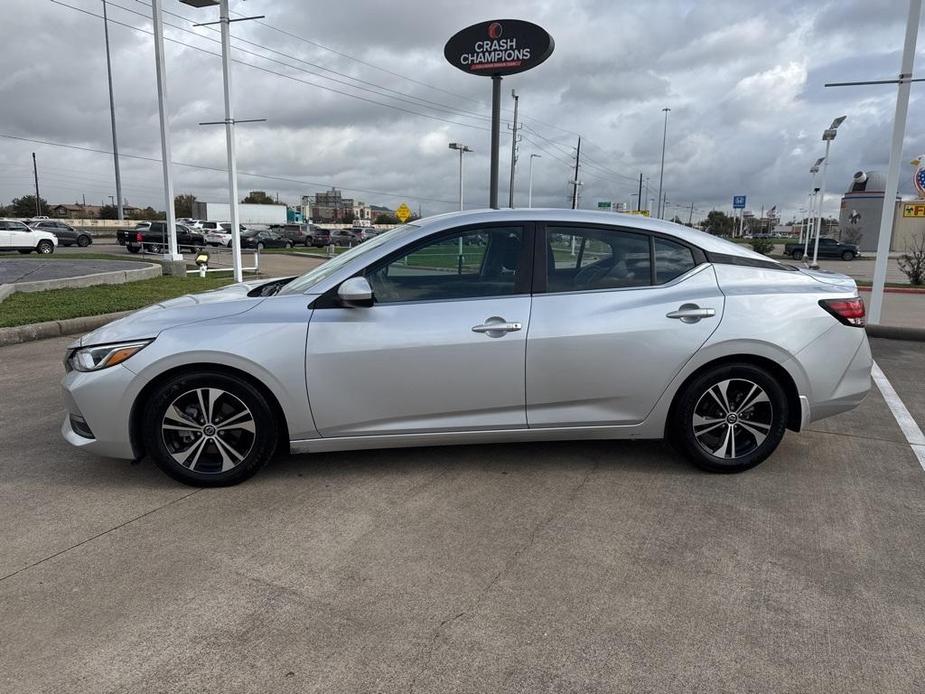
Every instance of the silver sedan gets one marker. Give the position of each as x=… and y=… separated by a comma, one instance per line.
x=510, y=325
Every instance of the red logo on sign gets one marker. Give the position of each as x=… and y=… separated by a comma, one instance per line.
x=494, y=30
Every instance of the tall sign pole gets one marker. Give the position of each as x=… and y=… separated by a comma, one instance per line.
x=892, y=177
x=661, y=173
x=495, y=140
x=575, y=181
x=35, y=171
x=494, y=49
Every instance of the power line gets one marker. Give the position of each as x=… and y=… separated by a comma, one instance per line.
x=311, y=184
x=417, y=101
x=278, y=74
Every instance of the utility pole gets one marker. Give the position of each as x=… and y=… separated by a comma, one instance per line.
x=639, y=195
x=112, y=118
x=35, y=170
x=530, y=184
x=510, y=200
x=575, y=181
x=690, y=216
x=661, y=174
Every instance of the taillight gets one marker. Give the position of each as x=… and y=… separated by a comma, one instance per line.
x=847, y=311
x=138, y=237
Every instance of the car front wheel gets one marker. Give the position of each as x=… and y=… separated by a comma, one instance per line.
x=209, y=429
x=847, y=255
x=730, y=418
x=83, y=241
x=45, y=247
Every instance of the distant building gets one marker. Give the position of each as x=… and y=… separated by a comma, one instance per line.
x=75, y=211
x=861, y=207
x=331, y=206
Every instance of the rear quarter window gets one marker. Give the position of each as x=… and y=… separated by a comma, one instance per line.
x=671, y=260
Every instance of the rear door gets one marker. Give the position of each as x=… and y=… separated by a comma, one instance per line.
x=6, y=237
x=618, y=315
x=442, y=348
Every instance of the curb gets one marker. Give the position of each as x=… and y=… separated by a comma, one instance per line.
x=114, y=277
x=895, y=332
x=894, y=290
x=55, y=328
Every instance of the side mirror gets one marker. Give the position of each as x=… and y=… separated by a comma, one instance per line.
x=355, y=293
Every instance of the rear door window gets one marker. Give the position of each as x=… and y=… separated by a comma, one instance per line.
x=671, y=260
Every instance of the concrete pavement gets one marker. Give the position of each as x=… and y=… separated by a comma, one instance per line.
x=522, y=568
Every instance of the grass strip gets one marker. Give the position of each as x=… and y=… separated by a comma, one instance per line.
x=58, y=304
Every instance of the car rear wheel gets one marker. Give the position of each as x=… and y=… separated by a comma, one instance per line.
x=209, y=429
x=847, y=255
x=308, y=241
x=288, y=245
x=45, y=247
x=797, y=254
x=730, y=418
x=83, y=241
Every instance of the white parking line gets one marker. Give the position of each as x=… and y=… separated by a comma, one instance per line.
x=904, y=419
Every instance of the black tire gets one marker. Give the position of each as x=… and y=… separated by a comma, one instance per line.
x=288, y=245
x=797, y=254
x=45, y=247
x=308, y=241
x=745, y=437
x=181, y=394
x=83, y=241
x=155, y=248
x=133, y=249
x=847, y=255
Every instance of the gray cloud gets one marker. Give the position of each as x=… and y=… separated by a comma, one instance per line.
x=743, y=78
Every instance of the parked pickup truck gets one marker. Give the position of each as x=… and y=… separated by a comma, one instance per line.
x=154, y=239
x=828, y=248
x=123, y=236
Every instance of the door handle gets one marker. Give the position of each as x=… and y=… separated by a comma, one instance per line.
x=691, y=313
x=496, y=327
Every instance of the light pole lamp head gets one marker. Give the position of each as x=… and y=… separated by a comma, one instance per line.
x=459, y=146
x=537, y=156
x=200, y=3
x=838, y=121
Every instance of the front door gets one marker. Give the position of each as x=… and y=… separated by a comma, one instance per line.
x=610, y=329
x=441, y=349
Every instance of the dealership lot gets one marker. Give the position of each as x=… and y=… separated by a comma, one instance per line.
x=586, y=566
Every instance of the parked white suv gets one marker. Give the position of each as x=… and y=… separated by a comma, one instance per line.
x=17, y=236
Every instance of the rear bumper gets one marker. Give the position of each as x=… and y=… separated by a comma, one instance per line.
x=838, y=367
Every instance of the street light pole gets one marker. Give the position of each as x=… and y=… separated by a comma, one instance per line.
x=810, y=221
x=158, y=21
x=530, y=185
x=828, y=135
x=229, y=143
x=112, y=118
x=462, y=150
x=661, y=173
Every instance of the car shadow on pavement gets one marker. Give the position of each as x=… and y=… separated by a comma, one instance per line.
x=651, y=457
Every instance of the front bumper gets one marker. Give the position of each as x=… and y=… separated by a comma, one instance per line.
x=103, y=399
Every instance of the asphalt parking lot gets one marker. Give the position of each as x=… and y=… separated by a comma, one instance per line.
x=588, y=566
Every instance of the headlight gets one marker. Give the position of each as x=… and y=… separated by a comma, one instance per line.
x=100, y=357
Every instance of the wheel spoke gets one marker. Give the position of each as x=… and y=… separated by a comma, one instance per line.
x=192, y=452
x=704, y=425
x=174, y=413
x=177, y=427
x=721, y=451
x=242, y=420
x=719, y=393
x=752, y=399
x=230, y=457
x=756, y=433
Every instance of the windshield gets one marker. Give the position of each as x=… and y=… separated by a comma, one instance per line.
x=303, y=282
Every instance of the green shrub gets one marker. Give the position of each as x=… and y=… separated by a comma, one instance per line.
x=763, y=246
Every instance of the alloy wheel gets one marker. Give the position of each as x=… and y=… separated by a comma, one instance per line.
x=208, y=430
x=732, y=418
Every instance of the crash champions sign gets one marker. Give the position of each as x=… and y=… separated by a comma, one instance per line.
x=500, y=47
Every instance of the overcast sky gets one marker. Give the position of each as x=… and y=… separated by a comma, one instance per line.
x=744, y=81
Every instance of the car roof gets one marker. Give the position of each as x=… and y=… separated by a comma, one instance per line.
x=707, y=242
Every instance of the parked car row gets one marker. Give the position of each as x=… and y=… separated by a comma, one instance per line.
x=18, y=236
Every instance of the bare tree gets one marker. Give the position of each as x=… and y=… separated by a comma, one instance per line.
x=912, y=262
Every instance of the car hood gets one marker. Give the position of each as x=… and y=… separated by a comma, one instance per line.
x=183, y=310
